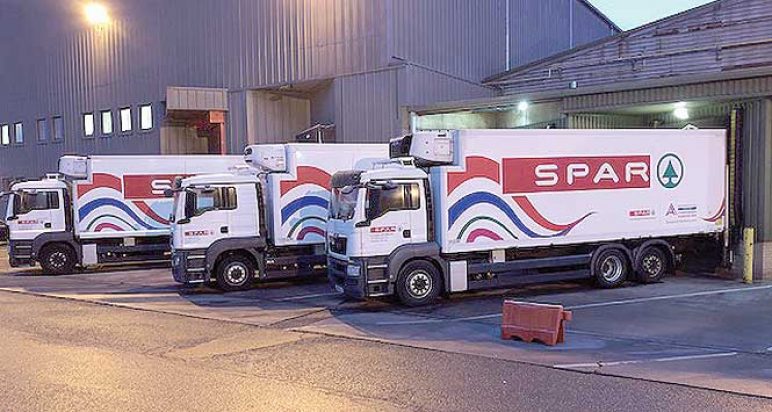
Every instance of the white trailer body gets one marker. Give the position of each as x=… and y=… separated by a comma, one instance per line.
x=555, y=187
x=282, y=235
x=123, y=196
x=100, y=209
x=470, y=209
x=298, y=199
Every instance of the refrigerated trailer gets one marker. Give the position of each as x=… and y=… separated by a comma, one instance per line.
x=99, y=209
x=261, y=222
x=472, y=209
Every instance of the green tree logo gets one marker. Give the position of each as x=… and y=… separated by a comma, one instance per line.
x=670, y=170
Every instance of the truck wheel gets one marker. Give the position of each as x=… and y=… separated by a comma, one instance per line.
x=235, y=273
x=652, y=264
x=418, y=283
x=57, y=260
x=610, y=268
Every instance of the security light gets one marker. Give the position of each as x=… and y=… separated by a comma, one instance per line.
x=96, y=14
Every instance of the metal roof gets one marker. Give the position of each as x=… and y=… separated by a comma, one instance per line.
x=725, y=36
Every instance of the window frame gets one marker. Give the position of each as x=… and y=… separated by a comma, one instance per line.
x=42, y=138
x=18, y=127
x=85, y=131
x=102, y=122
x=5, y=134
x=408, y=199
x=141, y=125
x=52, y=201
x=122, y=129
x=225, y=198
x=54, y=129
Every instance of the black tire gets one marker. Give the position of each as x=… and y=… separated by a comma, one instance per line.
x=419, y=283
x=234, y=273
x=652, y=265
x=610, y=268
x=57, y=259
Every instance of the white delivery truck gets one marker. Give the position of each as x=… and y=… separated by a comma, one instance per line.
x=472, y=209
x=99, y=209
x=264, y=221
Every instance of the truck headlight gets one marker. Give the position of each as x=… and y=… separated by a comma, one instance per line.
x=353, y=271
x=176, y=260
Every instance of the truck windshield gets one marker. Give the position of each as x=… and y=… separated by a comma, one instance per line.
x=344, y=202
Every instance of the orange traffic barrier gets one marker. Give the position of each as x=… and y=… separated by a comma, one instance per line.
x=534, y=321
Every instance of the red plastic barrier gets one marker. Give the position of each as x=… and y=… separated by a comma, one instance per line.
x=534, y=321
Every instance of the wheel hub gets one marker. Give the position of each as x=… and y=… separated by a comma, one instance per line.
x=419, y=284
x=652, y=264
x=236, y=274
x=612, y=268
x=57, y=260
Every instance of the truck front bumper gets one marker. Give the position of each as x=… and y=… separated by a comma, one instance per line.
x=360, y=278
x=20, y=253
x=189, y=266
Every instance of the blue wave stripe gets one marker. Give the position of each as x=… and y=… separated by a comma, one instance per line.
x=472, y=199
x=101, y=202
x=300, y=203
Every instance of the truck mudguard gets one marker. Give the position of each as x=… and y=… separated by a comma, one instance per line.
x=56, y=237
x=428, y=251
x=253, y=245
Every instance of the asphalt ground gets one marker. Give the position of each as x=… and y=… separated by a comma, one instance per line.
x=686, y=332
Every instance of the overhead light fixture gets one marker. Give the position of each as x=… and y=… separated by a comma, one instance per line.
x=522, y=106
x=96, y=14
x=681, y=112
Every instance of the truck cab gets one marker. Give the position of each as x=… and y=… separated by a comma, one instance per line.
x=379, y=217
x=37, y=213
x=212, y=214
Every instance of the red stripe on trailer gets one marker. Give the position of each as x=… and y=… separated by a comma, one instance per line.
x=311, y=229
x=145, y=208
x=537, y=217
x=476, y=166
x=310, y=175
x=484, y=233
x=105, y=225
x=100, y=180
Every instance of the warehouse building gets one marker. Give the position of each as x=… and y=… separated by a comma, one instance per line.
x=709, y=67
x=209, y=76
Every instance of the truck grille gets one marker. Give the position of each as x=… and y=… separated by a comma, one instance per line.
x=338, y=245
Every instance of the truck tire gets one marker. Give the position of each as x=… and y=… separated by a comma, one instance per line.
x=234, y=273
x=57, y=259
x=418, y=283
x=610, y=267
x=652, y=264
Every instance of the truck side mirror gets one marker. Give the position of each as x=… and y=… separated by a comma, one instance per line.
x=168, y=193
x=183, y=221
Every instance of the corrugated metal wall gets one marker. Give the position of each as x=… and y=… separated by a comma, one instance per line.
x=563, y=24
x=424, y=32
x=54, y=65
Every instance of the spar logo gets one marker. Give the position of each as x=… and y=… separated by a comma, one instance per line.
x=560, y=174
x=147, y=186
x=670, y=171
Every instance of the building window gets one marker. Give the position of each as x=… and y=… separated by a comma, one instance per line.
x=42, y=129
x=88, y=124
x=58, y=125
x=107, y=122
x=5, y=135
x=146, y=117
x=18, y=133
x=126, y=119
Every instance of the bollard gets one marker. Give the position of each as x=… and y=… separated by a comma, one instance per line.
x=748, y=237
